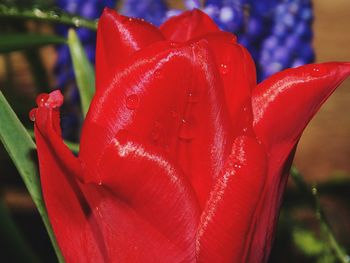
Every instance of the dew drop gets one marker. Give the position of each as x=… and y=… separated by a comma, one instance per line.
x=76, y=21
x=158, y=74
x=41, y=99
x=132, y=102
x=318, y=71
x=100, y=183
x=192, y=97
x=97, y=209
x=32, y=114
x=315, y=71
x=223, y=69
x=314, y=190
x=57, y=12
x=237, y=166
x=54, y=14
x=245, y=129
x=38, y=13
x=187, y=129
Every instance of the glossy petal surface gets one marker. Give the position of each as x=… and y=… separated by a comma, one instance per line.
x=178, y=106
x=118, y=37
x=237, y=71
x=188, y=25
x=227, y=222
x=130, y=219
x=61, y=189
x=283, y=105
x=183, y=158
x=155, y=188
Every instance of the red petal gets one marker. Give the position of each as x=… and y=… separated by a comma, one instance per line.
x=283, y=105
x=225, y=230
x=237, y=70
x=150, y=74
x=99, y=224
x=188, y=25
x=171, y=97
x=155, y=189
x=59, y=171
x=117, y=38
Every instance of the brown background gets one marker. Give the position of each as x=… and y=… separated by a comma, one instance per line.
x=325, y=146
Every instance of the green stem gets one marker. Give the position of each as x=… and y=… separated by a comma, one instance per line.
x=53, y=16
x=313, y=196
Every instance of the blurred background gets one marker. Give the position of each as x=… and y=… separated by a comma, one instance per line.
x=323, y=155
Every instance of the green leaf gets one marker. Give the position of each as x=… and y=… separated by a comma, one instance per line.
x=46, y=15
x=14, y=42
x=84, y=71
x=23, y=155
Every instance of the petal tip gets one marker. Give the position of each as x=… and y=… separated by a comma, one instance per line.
x=52, y=100
x=55, y=99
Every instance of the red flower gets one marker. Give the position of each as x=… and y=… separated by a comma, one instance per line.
x=183, y=157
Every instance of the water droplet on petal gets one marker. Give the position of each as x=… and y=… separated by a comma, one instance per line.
x=318, y=71
x=237, y=166
x=32, y=114
x=192, y=97
x=98, y=211
x=41, y=99
x=158, y=74
x=100, y=183
x=223, y=69
x=187, y=129
x=132, y=102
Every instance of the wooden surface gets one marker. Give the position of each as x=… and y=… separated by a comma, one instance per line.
x=325, y=146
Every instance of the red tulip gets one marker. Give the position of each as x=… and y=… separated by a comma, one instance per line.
x=183, y=158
